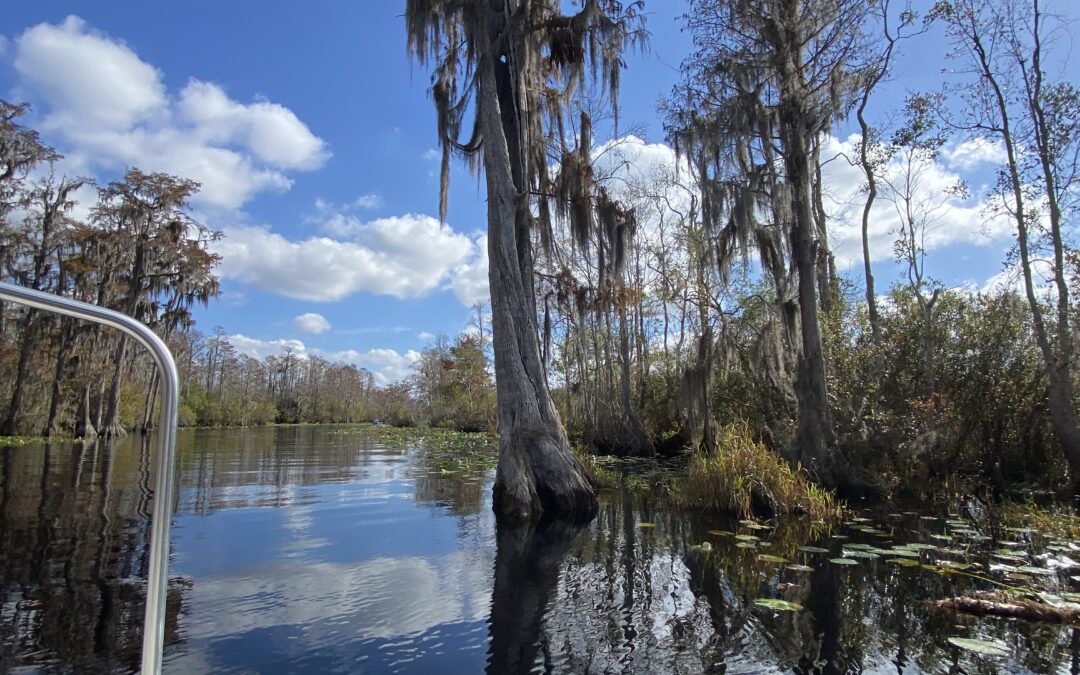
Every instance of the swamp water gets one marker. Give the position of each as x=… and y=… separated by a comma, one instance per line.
x=345, y=549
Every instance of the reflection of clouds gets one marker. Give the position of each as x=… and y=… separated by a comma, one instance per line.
x=298, y=523
x=377, y=598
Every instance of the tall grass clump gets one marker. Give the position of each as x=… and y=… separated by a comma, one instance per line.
x=744, y=477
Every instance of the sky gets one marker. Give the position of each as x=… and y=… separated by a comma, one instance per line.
x=314, y=140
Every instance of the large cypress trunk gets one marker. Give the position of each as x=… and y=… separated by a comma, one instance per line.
x=814, y=433
x=537, y=473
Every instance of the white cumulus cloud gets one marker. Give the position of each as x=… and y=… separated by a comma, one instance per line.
x=367, y=202
x=470, y=278
x=311, y=322
x=956, y=219
x=272, y=132
x=260, y=349
x=387, y=365
x=404, y=257
x=972, y=153
x=112, y=110
x=87, y=78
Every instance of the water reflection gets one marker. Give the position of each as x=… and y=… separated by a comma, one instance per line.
x=73, y=555
x=328, y=550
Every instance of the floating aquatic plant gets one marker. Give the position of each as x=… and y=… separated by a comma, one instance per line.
x=983, y=647
x=779, y=605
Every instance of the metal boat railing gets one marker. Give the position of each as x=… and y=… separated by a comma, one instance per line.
x=165, y=477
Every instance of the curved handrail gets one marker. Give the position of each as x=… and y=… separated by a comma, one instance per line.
x=165, y=478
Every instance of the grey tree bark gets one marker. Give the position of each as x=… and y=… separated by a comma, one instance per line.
x=537, y=473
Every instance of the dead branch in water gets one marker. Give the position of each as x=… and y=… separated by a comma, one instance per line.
x=999, y=604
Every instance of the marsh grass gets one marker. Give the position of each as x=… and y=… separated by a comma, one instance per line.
x=744, y=477
x=1055, y=521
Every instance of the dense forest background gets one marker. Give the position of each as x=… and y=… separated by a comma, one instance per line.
x=669, y=306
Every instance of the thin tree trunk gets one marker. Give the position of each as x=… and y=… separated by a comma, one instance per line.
x=148, y=404
x=1059, y=386
x=26, y=351
x=826, y=272
x=112, y=427
x=52, y=424
x=84, y=428
x=99, y=404
x=871, y=195
x=1060, y=394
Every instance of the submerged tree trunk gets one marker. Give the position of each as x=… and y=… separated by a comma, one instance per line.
x=537, y=473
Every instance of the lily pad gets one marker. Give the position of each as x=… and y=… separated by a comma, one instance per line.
x=1006, y=554
x=745, y=544
x=843, y=561
x=765, y=557
x=754, y=526
x=795, y=567
x=721, y=533
x=813, y=549
x=858, y=547
x=779, y=605
x=984, y=647
x=646, y=524
x=903, y=562
x=955, y=565
x=861, y=554
x=1041, y=571
x=746, y=537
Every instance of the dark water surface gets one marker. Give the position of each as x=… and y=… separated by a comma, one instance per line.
x=336, y=549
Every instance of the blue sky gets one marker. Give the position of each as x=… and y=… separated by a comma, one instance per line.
x=314, y=138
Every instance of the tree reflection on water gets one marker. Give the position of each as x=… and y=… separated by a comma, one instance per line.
x=329, y=550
